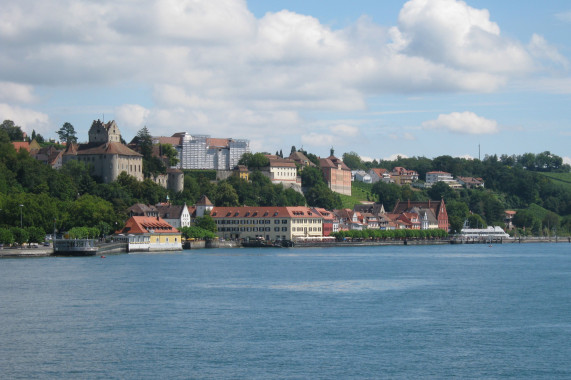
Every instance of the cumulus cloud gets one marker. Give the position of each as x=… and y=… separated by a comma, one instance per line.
x=319, y=139
x=26, y=118
x=542, y=50
x=463, y=122
x=395, y=156
x=16, y=93
x=213, y=67
x=567, y=160
x=131, y=117
x=345, y=130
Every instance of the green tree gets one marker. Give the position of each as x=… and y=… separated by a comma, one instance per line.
x=457, y=213
x=387, y=193
x=476, y=221
x=6, y=236
x=36, y=234
x=13, y=131
x=170, y=154
x=67, y=133
x=20, y=235
x=353, y=161
x=255, y=161
x=207, y=223
x=226, y=196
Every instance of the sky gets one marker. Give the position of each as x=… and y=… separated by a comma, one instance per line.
x=380, y=78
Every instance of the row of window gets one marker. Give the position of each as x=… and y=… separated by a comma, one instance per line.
x=250, y=229
x=250, y=221
x=310, y=229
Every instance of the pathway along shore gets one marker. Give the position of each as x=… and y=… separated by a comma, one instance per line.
x=48, y=251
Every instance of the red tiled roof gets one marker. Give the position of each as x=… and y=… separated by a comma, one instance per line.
x=145, y=224
x=217, y=143
x=107, y=148
x=263, y=212
x=332, y=162
x=21, y=145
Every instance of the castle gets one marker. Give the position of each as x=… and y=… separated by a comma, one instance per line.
x=108, y=157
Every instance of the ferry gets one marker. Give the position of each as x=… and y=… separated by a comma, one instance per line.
x=75, y=247
x=495, y=232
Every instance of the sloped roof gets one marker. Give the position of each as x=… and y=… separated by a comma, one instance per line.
x=217, y=143
x=21, y=145
x=174, y=141
x=433, y=206
x=107, y=148
x=204, y=201
x=263, y=212
x=170, y=211
x=281, y=162
x=301, y=158
x=146, y=224
x=141, y=209
x=332, y=162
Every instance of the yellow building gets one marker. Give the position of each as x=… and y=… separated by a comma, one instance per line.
x=146, y=233
x=269, y=223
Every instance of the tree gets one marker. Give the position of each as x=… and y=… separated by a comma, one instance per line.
x=226, y=196
x=311, y=176
x=207, y=223
x=476, y=221
x=255, y=161
x=353, y=161
x=14, y=132
x=387, y=193
x=457, y=214
x=170, y=154
x=20, y=235
x=67, y=133
x=6, y=236
x=36, y=234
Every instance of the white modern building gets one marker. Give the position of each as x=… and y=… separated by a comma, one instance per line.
x=204, y=152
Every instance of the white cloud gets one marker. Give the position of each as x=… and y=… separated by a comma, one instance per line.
x=541, y=49
x=567, y=160
x=319, y=139
x=16, y=93
x=395, y=156
x=131, y=117
x=409, y=136
x=28, y=119
x=564, y=16
x=345, y=130
x=213, y=67
x=463, y=122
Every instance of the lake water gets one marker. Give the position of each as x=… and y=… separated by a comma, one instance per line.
x=472, y=311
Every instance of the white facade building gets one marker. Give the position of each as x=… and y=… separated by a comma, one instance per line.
x=204, y=152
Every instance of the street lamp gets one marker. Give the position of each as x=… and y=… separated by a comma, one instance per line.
x=21, y=208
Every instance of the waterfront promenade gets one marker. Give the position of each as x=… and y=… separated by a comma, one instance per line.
x=113, y=248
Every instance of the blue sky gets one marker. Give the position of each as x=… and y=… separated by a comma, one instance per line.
x=381, y=78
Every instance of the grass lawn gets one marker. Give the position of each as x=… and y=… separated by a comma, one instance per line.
x=559, y=178
x=359, y=192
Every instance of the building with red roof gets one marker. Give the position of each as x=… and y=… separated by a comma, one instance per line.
x=337, y=174
x=269, y=223
x=147, y=233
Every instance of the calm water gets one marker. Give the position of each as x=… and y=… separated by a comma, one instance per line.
x=380, y=312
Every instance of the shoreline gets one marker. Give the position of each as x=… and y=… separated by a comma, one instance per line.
x=47, y=252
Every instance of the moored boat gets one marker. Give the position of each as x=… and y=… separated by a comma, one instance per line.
x=75, y=247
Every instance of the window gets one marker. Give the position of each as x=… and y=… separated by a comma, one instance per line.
x=284, y=228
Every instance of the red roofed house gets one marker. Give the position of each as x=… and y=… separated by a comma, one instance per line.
x=18, y=145
x=337, y=174
x=424, y=210
x=282, y=170
x=269, y=223
x=146, y=233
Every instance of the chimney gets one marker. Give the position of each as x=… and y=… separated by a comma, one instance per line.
x=408, y=205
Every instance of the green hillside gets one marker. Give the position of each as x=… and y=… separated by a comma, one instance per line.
x=559, y=178
x=359, y=192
